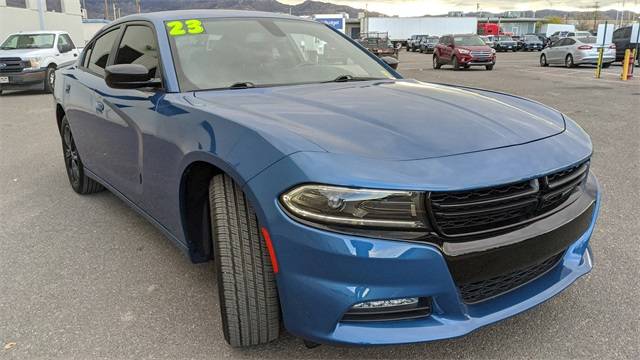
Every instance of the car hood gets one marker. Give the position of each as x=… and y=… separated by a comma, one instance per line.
x=25, y=53
x=388, y=119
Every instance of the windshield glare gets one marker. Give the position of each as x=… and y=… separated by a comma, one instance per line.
x=468, y=41
x=266, y=52
x=505, y=38
x=28, y=41
x=531, y=38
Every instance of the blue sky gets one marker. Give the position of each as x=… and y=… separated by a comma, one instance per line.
x=421, y=7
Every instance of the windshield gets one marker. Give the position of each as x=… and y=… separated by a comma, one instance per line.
x=220, y=53
x=468, y=41
x=583, y=33
x=531, y=38
x=432, y=40
x=28, y=41
x=505, y=38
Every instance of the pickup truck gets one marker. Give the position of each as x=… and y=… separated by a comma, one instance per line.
x=28, y=60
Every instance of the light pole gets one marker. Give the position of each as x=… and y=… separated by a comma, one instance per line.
x=41, y=7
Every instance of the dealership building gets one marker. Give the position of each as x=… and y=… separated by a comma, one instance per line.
x=30, y=15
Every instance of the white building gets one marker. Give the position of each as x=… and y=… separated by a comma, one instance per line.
x=24, y=15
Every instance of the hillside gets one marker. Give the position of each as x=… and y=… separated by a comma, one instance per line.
x=95, y=8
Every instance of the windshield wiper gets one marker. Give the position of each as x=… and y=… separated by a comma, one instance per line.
x=242, y=85
x=346, y=78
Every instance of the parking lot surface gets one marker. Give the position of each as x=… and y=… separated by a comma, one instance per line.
x=86, y=277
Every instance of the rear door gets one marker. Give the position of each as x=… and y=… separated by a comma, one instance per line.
x=82, y=110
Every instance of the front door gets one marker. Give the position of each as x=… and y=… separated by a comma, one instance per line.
x=127, y=112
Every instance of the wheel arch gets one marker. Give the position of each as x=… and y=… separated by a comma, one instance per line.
x=197, y=173
x=60, y=113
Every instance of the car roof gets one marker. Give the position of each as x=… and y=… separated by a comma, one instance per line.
x=160, y=16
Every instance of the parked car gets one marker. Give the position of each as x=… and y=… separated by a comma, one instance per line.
x=575, y=51
x=505, y=43
x=464, y=51
x=579, y=34
x=623, y=41
x=304, y=167
x=379, y=44
x=558, y=35
x=28, y=60
x=519, y=41
x=489, y=40
x=413, y=44
x=428, y=44
x=531, y=43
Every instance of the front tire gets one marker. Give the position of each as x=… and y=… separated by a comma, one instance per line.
x=456, y=65
x=489, y=67
x=50, y=79
x=436, y=63
x=543, y=60
x=249, y=302
x=81, y=183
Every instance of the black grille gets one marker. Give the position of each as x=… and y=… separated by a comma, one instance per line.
x=502, y=208
x=11, y=65
x=483, y=290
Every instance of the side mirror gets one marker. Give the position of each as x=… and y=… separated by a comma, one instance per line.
x=129, y=76
x=391, y=61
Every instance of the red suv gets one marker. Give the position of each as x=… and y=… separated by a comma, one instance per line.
x=463, y=51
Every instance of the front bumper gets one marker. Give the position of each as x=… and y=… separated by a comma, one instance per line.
x=322, y=274
x=24, y=80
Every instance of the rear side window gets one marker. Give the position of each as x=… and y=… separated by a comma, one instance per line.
x=138, y=46
x=100, y=52
x=569, y=42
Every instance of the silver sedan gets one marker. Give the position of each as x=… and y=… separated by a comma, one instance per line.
x=574, y=51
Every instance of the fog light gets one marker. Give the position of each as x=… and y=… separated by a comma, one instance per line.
x=389, y=310
x=385, y=303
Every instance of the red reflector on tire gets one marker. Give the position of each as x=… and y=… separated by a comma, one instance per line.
x=272, y=253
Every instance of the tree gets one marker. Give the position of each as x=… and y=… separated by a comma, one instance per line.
x=554, y=20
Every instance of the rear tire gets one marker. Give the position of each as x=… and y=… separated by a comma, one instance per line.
x=80, y=183
x=456, y=65
x=606, y=66
x=568, y=61
x=249, y=302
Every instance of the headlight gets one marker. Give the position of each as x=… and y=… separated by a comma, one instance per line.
x=34, y=62
x=356, y=208
x=464, y=51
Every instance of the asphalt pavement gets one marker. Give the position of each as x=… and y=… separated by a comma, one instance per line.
x=86, y=277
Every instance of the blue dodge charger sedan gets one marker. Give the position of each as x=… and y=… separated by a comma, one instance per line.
x=333, y=205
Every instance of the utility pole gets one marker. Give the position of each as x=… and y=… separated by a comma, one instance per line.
x=41, y=7
x=106, y=10
x=595, y=16
x=138, y=6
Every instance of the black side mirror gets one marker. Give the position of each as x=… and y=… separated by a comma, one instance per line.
x=129, y=76
x=391, y=61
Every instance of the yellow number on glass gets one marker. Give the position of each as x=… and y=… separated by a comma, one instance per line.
x=176, y=28
x=194, y=26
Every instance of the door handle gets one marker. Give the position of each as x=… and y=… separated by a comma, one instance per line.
x=75, y=55
x=99, y=107
x=67, y=88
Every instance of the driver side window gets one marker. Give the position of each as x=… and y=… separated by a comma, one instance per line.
x=64, y=43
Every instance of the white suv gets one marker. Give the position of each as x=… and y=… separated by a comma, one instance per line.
x=28, y=60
